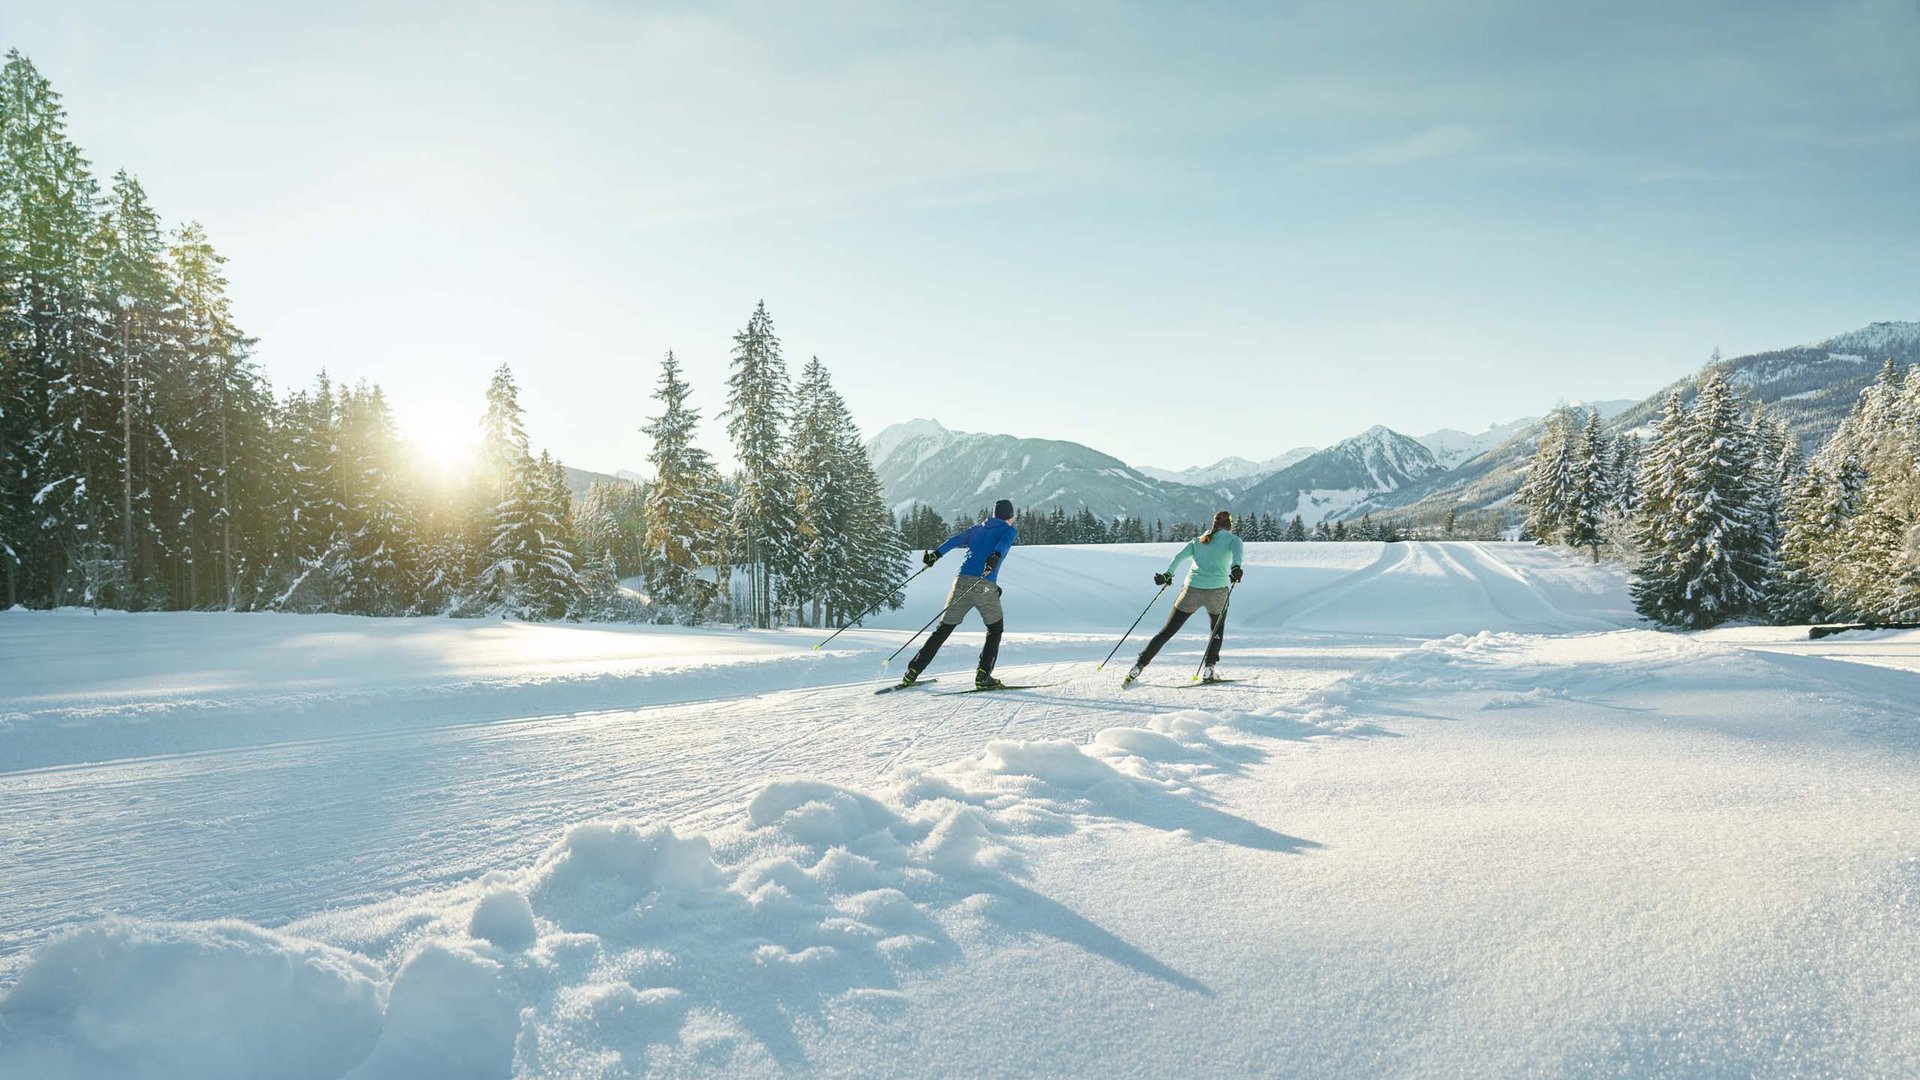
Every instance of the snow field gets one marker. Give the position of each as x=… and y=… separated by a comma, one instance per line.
x=1498, y=852
x=624, y=930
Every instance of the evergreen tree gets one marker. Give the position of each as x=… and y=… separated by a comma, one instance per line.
x=1549, y=491
x=1708, y=557
x=380, y=557
x=224, y=422
x=1818, y=506
x=1591, y=488
x=58, y=428
x=138, y=305
x=763, y=520
x=315, y=532
x=1297, y=529
x=684, y=510
x=611, y=522
x=1623, y=470
x=924, y=528
x=530, y=572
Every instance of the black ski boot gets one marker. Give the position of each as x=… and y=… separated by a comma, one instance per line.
x=1132, y=676
x=984, y=680
x=909, y=678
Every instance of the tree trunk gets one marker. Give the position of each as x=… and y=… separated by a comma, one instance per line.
x=126, y=463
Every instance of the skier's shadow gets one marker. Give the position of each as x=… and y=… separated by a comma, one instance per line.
x=1020, y=910
x=1183, y=813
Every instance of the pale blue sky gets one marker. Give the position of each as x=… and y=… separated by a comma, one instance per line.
x=1171, y=231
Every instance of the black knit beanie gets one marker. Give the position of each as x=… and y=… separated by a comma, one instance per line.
x=1003, y=509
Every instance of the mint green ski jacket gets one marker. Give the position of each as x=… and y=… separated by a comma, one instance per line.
x=1210, y=561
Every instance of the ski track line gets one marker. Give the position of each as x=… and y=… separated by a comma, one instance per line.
x=1559, y=619
x=1485, y=598
x=1314, y=600
x=412, y=732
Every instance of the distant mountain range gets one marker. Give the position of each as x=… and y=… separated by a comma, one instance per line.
x=1379, y=471
x=1810, y=387
x=1228, y=469
x=959, y=473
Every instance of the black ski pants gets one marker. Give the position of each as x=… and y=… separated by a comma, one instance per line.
x=989, y=653
x=1175, y=621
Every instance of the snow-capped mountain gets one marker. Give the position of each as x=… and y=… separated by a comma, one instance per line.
x=1450, y=447
x=1328, y=483
x=1453, y=448
x=1379, y=471
x=960, y=473
x=1809, y=387
x=1227, y=469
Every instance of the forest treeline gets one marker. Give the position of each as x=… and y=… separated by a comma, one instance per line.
x=149, y=465
x=1720, y=517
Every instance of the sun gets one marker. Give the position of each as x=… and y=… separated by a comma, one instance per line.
x=443, y=443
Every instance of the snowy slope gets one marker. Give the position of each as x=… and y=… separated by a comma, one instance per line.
x=1543, y=845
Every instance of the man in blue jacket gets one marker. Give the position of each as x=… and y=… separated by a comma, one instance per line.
x=976, y=588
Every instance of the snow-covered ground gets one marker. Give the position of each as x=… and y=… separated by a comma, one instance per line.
x=1459, y=816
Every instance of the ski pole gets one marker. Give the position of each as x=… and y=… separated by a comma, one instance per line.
x=1219, y=630
x=1135, y=626
x=848, y=625
x=936, y=615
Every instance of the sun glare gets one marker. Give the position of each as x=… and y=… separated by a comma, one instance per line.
x=444, y=445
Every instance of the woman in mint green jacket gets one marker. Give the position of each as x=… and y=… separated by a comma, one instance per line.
x=1216, y=565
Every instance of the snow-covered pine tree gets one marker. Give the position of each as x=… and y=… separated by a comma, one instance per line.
x=559, y=563
x=530, y=573
x=1879, y=576
x=1583, y=524
x=1658, y=480
x=1297, y=529
x=820, y=511
x=381, y=558
x=138, y=307
x=611, y=521
x=600, y=598
x=1710, y=560
x=1818, y=504
x=876, y=552
x=1623, y=471
x=58, y=428
x=1549, y=489
x=685, y=515
x=757, y=406
x=224, y=421
x=316, y=528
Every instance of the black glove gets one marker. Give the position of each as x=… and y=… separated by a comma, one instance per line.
x=1233, y=575
x=1163, y=579
x=930, y=557
x=993, y=560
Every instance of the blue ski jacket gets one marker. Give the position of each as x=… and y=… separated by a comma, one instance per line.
x=981, y=541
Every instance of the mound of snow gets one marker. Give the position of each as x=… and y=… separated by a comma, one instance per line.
x=206, y=1000
x=1051, y=761
x=603, y=873
x=505, y=918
